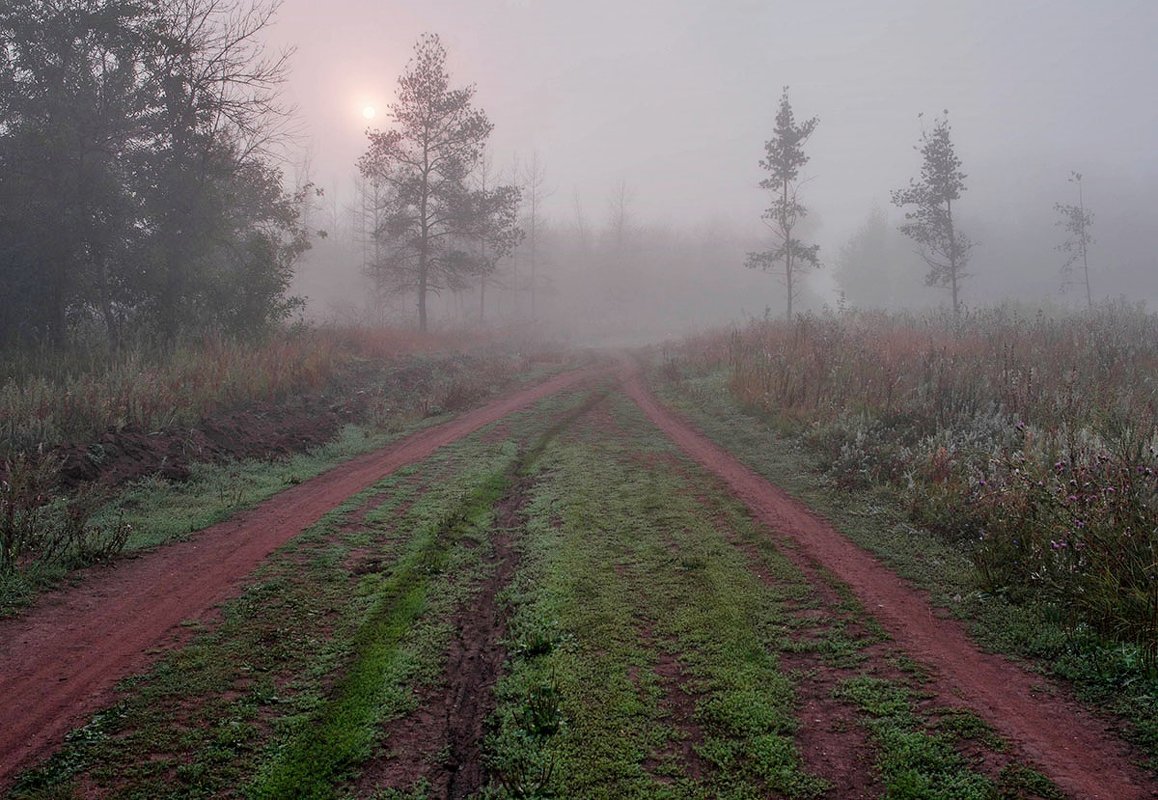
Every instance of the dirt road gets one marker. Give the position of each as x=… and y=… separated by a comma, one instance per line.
x=59, y=661
x=1067, y=742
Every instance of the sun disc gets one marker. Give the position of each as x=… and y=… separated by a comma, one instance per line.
x=369, y=112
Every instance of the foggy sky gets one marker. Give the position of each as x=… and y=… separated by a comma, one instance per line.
x=676, y=97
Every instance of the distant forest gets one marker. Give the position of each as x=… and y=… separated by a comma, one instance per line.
x=143, y=198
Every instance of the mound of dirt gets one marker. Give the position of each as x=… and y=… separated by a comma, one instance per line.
x=263, y=430
x=272, y=430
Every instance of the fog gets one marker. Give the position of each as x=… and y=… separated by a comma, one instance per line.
x=671, y=102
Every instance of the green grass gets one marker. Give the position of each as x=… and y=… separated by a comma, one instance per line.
x=311, y=645
x=342, y=735
x=210, y=713
x=918, y=757
x=161, y=511
x=914, y=762
x=648, y=620
x=623, y=572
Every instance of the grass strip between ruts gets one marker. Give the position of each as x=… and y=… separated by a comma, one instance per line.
x=344, y=732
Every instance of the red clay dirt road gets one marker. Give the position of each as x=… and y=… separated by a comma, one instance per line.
x=60, y=660
x=1066, y=742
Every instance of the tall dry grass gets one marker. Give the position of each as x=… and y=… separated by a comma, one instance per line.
x=48, y=397
x=1028, y=439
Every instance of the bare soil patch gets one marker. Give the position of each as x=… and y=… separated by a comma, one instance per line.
x=680, y=704
x=1067, y=741
x=260, y=431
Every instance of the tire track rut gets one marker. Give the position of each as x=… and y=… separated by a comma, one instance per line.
x=60, y=660
x=1067, y=741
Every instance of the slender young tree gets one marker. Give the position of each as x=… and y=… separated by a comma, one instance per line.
x=784, y=156
x=1077, y=222
x=929, y=222
x=494, y=224
x=534, y=193
x=617, y=247
x=430, y=213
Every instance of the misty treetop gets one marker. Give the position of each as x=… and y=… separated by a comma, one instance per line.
x=929, y=219
x=138, y=193
x=784, y=156
x=437, y=231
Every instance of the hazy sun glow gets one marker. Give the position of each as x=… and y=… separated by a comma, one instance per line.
x=369, y=112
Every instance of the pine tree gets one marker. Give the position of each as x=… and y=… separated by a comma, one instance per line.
x=784, y=156
x=431, y=216
x=930, y=222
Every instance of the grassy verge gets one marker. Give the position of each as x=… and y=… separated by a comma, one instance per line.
x=336, y=634
x=873, y=518
x=342, y=734
x=921, y=760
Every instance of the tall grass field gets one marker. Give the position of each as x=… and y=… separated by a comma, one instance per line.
x=1026, y=439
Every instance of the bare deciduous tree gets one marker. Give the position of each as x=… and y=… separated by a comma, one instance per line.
x=534, y=179
x=495, y=227
x=1077, y=222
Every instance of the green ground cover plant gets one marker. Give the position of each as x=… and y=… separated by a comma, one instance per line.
x=635, y=600
x=647, y=621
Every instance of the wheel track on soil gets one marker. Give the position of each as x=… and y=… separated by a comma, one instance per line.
x=60, y=660
x=442, y=740
x=1065, y=740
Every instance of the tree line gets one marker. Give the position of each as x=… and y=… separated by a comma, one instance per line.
x=928, y=205
x=140, y=195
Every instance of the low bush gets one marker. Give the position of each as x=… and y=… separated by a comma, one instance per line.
x=38, y=530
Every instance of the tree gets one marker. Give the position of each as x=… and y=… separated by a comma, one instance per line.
x=784, y=156
x=137, y=185
x=70, y=100
x=216, y=116
x=534, y=180
x=863, y=264
x=617, y=249
x=930, y=223
x=495, y=227
x=874, y=266
x=1077, y=222
x=430, y=214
